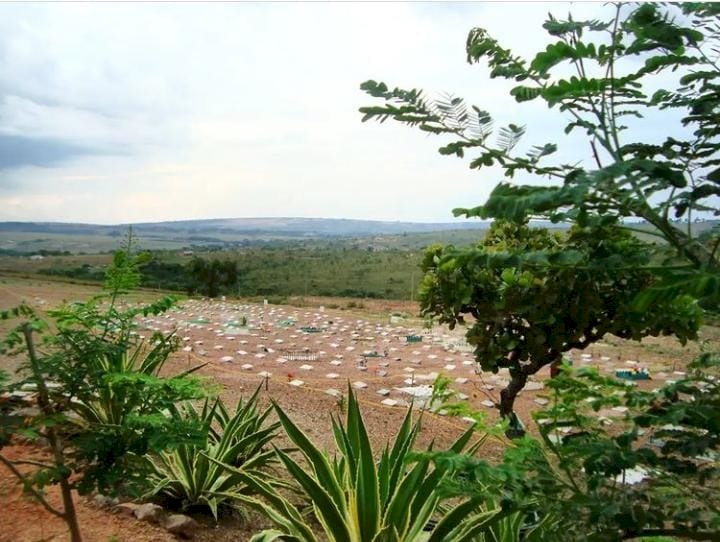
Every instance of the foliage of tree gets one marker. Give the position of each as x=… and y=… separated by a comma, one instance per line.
x=645, y=61
x=527, y=313
x=656, y=183
x=612, y=462
x=164, y=275
x=102, y=404
x=648, y=61
x=212, y=277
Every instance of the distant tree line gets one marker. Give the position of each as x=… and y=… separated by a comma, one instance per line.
x=212, y=277
x=337, y=271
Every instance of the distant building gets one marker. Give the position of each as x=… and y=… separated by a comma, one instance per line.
x=37, y=257
x=187, y=253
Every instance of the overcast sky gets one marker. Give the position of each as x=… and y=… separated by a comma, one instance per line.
x=145, y=112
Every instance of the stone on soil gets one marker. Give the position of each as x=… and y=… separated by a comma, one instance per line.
x=180, y=524
x=148, y=512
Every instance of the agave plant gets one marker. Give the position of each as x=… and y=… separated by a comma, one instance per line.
x=191, y=474
x=516, y=526
x=122, y=380
x=356, y=499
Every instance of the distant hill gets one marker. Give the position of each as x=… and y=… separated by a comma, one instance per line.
x=28, y=237
x=252, y=226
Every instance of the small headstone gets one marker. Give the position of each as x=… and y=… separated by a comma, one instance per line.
x=534, y=386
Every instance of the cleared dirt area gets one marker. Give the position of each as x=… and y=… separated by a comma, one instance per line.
x=304, y=358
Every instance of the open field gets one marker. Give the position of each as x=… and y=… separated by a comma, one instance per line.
x=372, y=265
x=262, y=271
x=363, y=346
x=344, y=339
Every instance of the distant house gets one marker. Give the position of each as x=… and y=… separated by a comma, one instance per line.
x=37, y=257
x=187, y=253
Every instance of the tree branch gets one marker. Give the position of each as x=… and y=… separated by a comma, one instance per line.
x=34, y=463
x=27, y=485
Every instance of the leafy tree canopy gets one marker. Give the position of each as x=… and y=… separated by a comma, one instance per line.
x=212, y=277
x=618, y=66
x=533, y=295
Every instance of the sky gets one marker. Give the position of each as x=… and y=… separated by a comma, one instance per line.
x=117, y=113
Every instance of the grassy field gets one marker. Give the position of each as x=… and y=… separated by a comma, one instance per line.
x=22, y=242
x=265, y=271
x=374, y=266
x=383, y=266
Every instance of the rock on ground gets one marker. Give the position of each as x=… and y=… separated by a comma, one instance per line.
x=149, y=512
x=180, y=524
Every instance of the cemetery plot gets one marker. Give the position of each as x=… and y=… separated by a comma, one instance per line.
x=389, y=365
x=304, y=354
x=246, y=345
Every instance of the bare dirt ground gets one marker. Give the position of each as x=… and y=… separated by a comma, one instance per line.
x=364, y=347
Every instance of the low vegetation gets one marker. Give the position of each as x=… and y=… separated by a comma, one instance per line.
x=101, y=402
x=285, y=270
x=112, y=421
x=190, y=476
x=354, y=497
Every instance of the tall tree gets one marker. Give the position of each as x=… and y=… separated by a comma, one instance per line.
x=645, y=66
x=616, y=63
x=533, y=295
x=212, y=277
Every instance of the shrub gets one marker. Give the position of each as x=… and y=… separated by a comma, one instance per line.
x=190, y=475
x=355, y=498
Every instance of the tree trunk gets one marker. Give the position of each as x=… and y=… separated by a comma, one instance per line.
x=508, y=395
x=69, y=512
x=70, y=515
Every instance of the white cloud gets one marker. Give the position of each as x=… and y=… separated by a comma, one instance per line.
x=205, y=110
